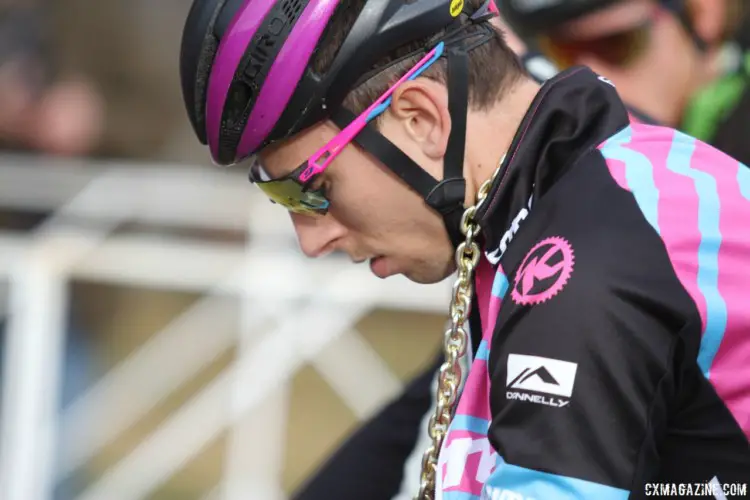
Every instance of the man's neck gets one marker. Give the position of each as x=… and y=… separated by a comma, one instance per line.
x=490, y=133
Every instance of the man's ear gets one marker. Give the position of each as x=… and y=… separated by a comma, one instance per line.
x=420, y=107
x=709, y=19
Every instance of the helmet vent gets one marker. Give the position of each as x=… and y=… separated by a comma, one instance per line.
x=252, y=71
x=292, y=8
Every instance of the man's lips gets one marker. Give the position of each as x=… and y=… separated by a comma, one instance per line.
x=362, y=260
x=380, y=267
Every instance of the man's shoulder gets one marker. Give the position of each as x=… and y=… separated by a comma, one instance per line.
x=589, y=224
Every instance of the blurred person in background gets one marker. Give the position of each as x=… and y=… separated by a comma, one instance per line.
x=650, y=355
x=685, y=63
x=40, y=111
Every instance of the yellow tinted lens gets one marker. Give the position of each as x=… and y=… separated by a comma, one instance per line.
x=290, y=195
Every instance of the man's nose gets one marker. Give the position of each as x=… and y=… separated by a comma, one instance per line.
x=317, y=235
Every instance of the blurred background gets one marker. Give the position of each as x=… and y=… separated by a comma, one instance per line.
x=161, y=335
x=159, y=326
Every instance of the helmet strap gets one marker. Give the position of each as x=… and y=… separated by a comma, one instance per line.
x=447, y=197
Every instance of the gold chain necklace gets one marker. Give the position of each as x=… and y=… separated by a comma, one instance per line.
x=455, y=342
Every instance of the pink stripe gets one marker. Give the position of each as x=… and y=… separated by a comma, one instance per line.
x=285, y=73
x=730, y=371
x=633, y=119
x=238, y=35
x=678, y=223
x=495, y=303
x=483, y=276
x=617, y=170
x=476, y=396
x=489, y=305
x=453, y=435
x=468, y=482
x=678, y=209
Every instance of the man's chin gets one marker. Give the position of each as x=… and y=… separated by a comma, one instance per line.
x=425, y=274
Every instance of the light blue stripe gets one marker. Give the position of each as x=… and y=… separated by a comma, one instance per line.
x=483, y=351
x=709, y=210
x=470, y=424
x=378, y=110
x=743, y=178
x=542, y=485
x=459, y=495
x=500, y=285
x=639, y=173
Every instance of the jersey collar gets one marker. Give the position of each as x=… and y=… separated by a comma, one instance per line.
x=572, y=113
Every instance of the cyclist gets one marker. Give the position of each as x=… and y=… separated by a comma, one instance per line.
x=384, y=452
x=684, y=62
x=376, y=123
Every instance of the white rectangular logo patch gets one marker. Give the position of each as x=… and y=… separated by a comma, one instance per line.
x=540, y=375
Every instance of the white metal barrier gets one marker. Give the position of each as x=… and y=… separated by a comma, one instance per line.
x=294, y=311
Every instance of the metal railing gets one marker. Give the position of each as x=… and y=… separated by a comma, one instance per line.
x=293, y=311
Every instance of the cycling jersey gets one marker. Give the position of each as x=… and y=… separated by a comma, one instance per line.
x=614, y=298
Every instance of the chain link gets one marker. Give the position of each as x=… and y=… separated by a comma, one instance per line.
x=455, y=343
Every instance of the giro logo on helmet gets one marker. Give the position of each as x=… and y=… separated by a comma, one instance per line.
x=456, y=7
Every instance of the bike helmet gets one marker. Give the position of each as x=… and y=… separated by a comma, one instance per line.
x=247, y=78
x=538, y=16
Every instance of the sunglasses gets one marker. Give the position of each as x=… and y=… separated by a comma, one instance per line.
x=294, y=191
x=616, y=49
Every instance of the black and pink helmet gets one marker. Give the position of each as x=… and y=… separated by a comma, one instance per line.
x=245, y=71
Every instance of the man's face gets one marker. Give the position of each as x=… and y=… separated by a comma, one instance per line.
x=643, y=48
x=372, y=216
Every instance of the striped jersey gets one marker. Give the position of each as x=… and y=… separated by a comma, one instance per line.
x=614, y=299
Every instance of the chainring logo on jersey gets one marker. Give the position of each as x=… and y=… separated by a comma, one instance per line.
x=540, y=380
x=544, y=272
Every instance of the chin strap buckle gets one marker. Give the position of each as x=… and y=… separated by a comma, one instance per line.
x=447, y=198
x=448, y=195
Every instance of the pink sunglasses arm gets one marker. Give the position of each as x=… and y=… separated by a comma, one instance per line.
x=318, y=162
